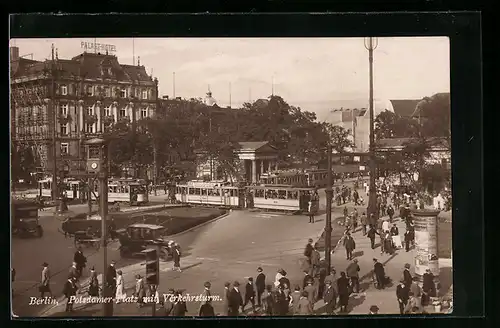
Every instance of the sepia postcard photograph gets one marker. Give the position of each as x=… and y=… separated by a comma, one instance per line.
x=230, y=177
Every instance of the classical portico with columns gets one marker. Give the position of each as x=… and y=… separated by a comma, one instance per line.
x=256, y=158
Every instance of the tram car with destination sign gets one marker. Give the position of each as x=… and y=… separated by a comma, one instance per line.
x=309, y=178
x=214, y=193
x=283, y=198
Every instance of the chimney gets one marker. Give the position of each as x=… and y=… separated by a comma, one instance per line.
x=14, y=54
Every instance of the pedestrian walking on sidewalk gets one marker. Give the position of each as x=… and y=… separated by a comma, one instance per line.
x=407, y=237
x=235, y=300
x=402, y=293
x=168, y=303
x=45, y=283
x=111, y=277
x=93, y=284
x=260, y=285
x=180, y=307
x=225, y=304
x=294, y=299
x=177, y=258
x=206, y=308
x=268, y=301
x=355, y=220
x=140, y=290
x=310, y=208
x=364, y=223
x=69, y=290
x=390, y=212
x=352, y=271
x=330, y=298
x=120, y=287
x=379, y=273
x=350, y=245
x=315, y=262
x=312, y=292
x=343, y=290
x=304, y=307
x=371, y=234
x=249, y=295
x=407, y=278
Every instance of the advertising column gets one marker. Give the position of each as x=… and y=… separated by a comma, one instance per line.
x=426, y=242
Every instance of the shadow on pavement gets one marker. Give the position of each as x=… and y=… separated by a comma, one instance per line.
x=358, y=254
x=354, y=301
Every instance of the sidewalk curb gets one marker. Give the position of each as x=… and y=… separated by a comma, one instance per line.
x=200, y=225
x=85, y=282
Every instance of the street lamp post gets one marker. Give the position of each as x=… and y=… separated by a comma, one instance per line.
x=371, y=44
x=328, y=223
x=103, y=209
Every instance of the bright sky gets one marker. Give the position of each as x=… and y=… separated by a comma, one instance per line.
x=317, y=74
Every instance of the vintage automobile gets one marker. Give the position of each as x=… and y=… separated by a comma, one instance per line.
x=138, y=237
x=83, y=238
x=25, y=218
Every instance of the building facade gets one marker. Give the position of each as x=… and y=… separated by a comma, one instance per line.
x=79, y=98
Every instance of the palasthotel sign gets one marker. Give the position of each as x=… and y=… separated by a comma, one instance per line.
x=97, y=46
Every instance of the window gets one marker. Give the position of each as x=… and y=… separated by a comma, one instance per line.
x=107, y=92
x=123, y=93
x=64, y=90
x=144, y=112
x=144, y=94
x=110, y=72
x=90, y=90
x=90, y=128
x=63, y=109
x=123, y=112
x=94, y=152
x=64, y=130
x=107, y=111
x=64, y=148
x=90, y=110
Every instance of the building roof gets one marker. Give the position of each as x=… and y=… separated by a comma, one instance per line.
x=404, y=107
x=253, y=145
x=88, y=65
x=401, y=142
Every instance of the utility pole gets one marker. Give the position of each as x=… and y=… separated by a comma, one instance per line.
x=371, y=44
x=173, y=85
x=52, y=108
x=328, y=223
x=103, y=197
x=155, y=169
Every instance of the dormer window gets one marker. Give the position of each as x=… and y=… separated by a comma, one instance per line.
x=110, y=72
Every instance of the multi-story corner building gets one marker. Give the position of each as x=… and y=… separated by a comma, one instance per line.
x=81, y=97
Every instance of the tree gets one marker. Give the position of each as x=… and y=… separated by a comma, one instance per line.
x=434, y=115
x=339, y=137
x=390, y=125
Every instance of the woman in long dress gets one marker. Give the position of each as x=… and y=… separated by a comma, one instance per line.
x=120, y=287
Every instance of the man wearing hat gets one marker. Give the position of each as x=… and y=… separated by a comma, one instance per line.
x=140, y=291
x=402, y=293
x=69, y=290
x=330, y=298
x=353, y=274
x=235, y=300
x=249, y=295
x=407, y=278
x=428, y=287
x=111, y=277
x=45, y=284
x=308, y=250
x=80, y=261
x=260, y=285
x=373, y=309
x=312, y=292
x=350, y=245
x=379, y=272
x=206, y=308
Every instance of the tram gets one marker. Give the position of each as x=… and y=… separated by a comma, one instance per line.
x=281, y=197
x=309, y=178
x=210, y=193
x=132, y=191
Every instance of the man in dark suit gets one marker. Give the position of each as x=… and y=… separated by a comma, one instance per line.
x=260, y=285
x=111, y=277
x=379, y=271
x=80, y=261
x=428, y=287
x=407, y=278
x=206, y=308
x=402, y=293
x=350, y=245
x=69, y=290
x=307, y=278
x=308, y=250
x=330, y=298
x=315, y=259
x=168, y=303
x=235, y=300
x=249, y=295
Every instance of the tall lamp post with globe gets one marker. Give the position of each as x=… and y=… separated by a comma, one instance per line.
x=371, y=44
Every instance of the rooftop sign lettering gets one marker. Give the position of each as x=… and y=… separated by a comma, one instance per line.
x=98, y=46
